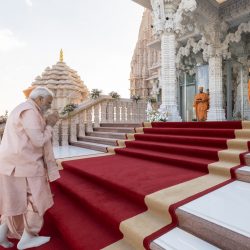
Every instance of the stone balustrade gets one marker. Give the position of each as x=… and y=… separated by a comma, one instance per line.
x=93, y=112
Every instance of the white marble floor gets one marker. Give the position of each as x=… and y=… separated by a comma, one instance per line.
x=178, y=239
x=228, y=206
x=246, y=168
x=71, y=151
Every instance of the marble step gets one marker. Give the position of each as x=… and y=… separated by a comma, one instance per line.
x=119, y=136
x=178, y=239
x=115, y=129
x=247, y=159
x=119, y=125
x=243, y=174
x=90, y=145
x=99, y=140
x=221, y=217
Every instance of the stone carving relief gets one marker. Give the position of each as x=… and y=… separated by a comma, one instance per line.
x=167, y=17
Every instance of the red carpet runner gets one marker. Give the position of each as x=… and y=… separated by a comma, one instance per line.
x=94, y=195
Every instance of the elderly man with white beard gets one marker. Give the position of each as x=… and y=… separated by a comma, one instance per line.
x=27, y=165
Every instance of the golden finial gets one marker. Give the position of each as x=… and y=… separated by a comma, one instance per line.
x=61, y=55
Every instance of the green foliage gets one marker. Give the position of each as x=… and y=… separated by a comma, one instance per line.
x=114, y=95
x=69, y=108
x=95, y=93
x=136, y=98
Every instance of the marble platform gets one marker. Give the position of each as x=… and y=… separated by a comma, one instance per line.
x=71, y=151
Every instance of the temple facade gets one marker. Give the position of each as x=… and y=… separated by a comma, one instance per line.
x=184, y=44
x=64, y=82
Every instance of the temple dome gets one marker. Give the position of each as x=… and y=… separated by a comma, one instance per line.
x=65, y=83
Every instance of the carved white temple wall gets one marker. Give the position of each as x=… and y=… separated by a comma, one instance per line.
x=203, y=33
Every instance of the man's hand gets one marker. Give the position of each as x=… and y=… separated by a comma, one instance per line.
x=52, y=119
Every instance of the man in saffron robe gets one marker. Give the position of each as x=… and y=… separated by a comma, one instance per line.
x=201, y=104
x=26, y=165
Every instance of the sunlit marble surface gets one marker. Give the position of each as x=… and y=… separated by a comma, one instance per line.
x=228, y=207
x=177, y=239
x=246, y=168
x=71, y=151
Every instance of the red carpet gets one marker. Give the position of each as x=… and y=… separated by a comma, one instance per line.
x=94, y=195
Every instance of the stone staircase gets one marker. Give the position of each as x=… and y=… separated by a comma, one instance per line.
x=218, y=220
x=105, y=136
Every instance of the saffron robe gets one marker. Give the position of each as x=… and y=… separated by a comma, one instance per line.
x=201, y=104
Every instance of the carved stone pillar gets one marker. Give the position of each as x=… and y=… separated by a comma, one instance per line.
x=89, y=120
x=129, y=112
x=123, y=112
x=216, y=111
x=103, y=112
x=96, y=116
x=73, y=129
x=167, y=20
x=81, y=125
x=65, y=132
x=168, y=73
x=55, y=138
x=111, y=111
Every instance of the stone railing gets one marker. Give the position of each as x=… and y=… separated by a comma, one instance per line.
x=93, y=112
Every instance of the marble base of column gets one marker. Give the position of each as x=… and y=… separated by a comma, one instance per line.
x=173, y=113
x=216, y=115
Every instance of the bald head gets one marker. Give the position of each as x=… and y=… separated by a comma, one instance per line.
x=201, y=89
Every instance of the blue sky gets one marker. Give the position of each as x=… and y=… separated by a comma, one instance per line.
x=97, y=36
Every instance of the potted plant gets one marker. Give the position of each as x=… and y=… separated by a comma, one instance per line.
x=68, y=108
x=135, y=98
x=95, y=93
x=114, y=95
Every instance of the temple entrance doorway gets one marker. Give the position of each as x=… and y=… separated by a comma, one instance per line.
x=187, y=93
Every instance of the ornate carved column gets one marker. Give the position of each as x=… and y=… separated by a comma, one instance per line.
x=167, y=18
x=81, y=125
x=168, y=73
x=65, y=132
x=104, y=112
x=216, y=111
x=73, y=129
x=55, y=136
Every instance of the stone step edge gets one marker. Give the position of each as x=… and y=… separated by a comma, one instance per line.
x=211, y=232
x=179, y=239
x=243, y=174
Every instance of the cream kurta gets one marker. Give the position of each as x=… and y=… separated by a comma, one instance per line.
x=24, y=151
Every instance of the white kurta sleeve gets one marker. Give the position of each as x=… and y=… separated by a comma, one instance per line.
x=34, y=129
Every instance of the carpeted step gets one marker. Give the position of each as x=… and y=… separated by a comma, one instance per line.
x=197, y=125
x=98, y=140
x=184, y=140
x=168, y=158
x=243, y=174
x=78, y=228
x=204, y=132
x=152, y=171
x=195, y=151
x=119, y=136
x=90, y=145
x=49, y=229
x=104, y=202
x=120, y=125
x=220, y=217
x=115, y=129
x=131, y=177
